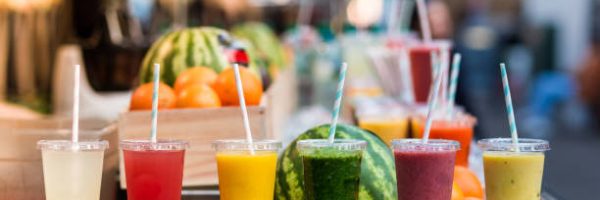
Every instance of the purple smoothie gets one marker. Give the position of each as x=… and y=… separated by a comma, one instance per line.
x=424, y=171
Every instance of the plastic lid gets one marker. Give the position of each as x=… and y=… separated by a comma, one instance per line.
x=339, y=144
x=431, y=145
x=147, y=145
x=506, y=144
x=68, y=145
x=243, y=145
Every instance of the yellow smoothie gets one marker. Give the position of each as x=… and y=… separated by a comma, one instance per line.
x=245, y=176
x=386, y=129
x=513, y=175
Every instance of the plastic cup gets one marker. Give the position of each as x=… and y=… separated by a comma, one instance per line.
x=510, y=174
x=385, y=124
x=243, y=175
x=331, y=171
x=419, y=55
x=153, y=171
x=459, y=128
x=72, y=171
x=424, y=170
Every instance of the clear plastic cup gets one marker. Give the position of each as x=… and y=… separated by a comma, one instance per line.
x=331, y=171
x=459, y=128
x=424, y=170
x=511, y=174
x=244, y=174
x=388, y=124
x=419, y=56
x=72, y=171
x=153, y=171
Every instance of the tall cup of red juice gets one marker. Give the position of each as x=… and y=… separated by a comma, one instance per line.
x=458, y=128
x=153, y=170
x=419, y=55
x=424, y=171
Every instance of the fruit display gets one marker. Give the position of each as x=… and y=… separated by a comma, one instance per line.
x=264, y=45
x=187, y=48
x=227, y=91
x=377, y=181
x=141, y=99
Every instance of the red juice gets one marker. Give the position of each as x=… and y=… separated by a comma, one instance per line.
x=424, y=171
x=420, y=68
x=153, y=173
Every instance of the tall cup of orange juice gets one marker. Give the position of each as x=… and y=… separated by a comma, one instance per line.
x=459, y=128
x=246, y=171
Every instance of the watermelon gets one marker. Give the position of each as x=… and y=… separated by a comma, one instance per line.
x=178, y=50
x=263, y=43
x=378, y=175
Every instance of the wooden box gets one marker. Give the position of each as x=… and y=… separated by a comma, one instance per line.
x=200, y=127
x=21, y=174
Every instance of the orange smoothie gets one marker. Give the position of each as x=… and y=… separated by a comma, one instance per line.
x=385, y=127
x=245, y=176
x=460, y=129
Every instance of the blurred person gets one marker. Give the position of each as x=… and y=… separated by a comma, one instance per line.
x=589, y=80
x=440, y=19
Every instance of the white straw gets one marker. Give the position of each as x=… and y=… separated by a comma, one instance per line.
x=240, y=90
x=431, y=106
x=453, y=84
x=156, y=82
x=424, y=20
x=75, y=127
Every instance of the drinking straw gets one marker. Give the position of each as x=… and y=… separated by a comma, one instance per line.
x=445, y=65
x=391, y=17
x=240, y=91
x=338, y=102
x=435, y=69
x=431, y=105
x=156, y=80
x=453, y=82
x=424, y=20
x=75, y=126
x=509, y=107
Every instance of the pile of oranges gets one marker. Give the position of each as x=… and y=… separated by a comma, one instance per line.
x=466, y=185
x=200, y=87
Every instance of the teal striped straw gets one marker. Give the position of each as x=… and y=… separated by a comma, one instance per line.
x=338, y=102
x=155, y=102
x=453, y=83
x=432, y=103
x=509, y=107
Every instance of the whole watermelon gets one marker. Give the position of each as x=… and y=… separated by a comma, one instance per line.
x=378, y=176
x=178, y=50
x=264, y=43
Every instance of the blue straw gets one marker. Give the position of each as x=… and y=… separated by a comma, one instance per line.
x=509, y=107
x=338, y=102
x=453, y=83
x=155, y=102
x=432, y=104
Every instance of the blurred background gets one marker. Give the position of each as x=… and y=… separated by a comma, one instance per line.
x=551, y=47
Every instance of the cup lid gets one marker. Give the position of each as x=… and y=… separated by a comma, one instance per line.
x=506, y=144
x=244, y=145
x=63, y=145
x=339, y=144
x=419, y=145
x=147, y=145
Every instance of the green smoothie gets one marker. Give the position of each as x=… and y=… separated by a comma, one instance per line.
x=331, y=173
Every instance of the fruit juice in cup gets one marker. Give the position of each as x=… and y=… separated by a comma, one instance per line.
x=244, y=175
x=331, y=171
x=419, y=54
x=458, y=128
x=424, y=171
x=153, y=170
x=387, y=126
x=510, y=174
x=72, y=171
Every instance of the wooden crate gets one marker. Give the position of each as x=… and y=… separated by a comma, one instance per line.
x=21, y=175
x=200, y=127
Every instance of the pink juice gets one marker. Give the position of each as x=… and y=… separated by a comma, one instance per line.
x=424, y=172
x=153, y=172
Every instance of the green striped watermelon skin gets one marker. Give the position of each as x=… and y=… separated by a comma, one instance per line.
x=378, y=175
x=179, y=50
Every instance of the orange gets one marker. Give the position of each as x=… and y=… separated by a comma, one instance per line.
x=227, y=91
x=457, y=193
x=141, y=99
x=193, y=76
x=198, y=96
x=472, y=198
x=468, y=182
